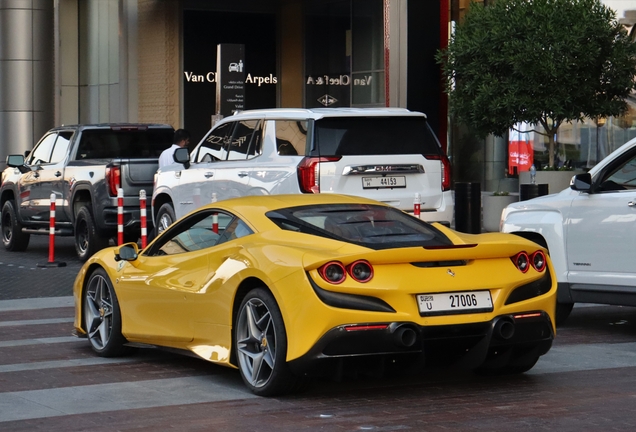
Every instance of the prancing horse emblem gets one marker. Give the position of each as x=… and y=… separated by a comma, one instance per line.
x=450, y=272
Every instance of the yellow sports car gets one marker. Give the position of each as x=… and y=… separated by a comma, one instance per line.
x=286, y=286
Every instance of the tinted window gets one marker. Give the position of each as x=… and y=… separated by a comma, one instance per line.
x=374, y=136
x=42, y=152
x=291, y=137
x=242, y=139
x=200, y=231
x=622, y=176
x=61, y=146
x=125, y=143
x=376, y=227
x=212, y=148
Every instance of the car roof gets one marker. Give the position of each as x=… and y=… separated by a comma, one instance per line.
x=115, y=126
x=319, y=113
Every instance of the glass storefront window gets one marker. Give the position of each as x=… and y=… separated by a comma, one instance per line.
x=344, y=53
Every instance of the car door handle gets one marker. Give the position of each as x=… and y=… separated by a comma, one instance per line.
x=208, y=174
x=242, y=174
x=57, y=173
x=631, y=204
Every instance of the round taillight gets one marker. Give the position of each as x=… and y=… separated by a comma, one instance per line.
x=333, y=272
x=522, y=261
x=538, y=261
x=360, y=271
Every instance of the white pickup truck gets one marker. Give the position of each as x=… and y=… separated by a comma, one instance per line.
x=590, y=231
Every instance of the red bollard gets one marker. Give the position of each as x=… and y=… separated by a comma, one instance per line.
x=120, y=216
x=52, y=262
x=215, y=217
x=416, y=205
x=142, y=213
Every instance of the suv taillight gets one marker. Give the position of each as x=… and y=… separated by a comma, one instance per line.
x=446, y=170
x=309, y=172
x=113, y=180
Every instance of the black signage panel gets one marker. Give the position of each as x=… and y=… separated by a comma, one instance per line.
x=230, y=82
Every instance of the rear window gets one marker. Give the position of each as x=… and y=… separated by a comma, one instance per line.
x=374, y=136
x=376, y=227
x=111, y=144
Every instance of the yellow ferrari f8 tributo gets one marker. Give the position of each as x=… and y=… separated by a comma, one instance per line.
x=286, y=286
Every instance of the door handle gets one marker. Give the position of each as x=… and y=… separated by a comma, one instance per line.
x=188, y=284
x=242, y=174
x=631, y=204
x=208, y=174
x=57, y=173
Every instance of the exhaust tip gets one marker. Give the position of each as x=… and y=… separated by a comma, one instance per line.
x=504, y=329
x=405, y=336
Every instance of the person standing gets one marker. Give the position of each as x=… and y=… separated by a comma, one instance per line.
x=181, y=139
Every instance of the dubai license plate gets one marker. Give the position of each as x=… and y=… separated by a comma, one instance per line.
x=383, y=182
x=454, y=303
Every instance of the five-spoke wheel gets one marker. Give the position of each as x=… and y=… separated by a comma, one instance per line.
x=102, y=317
x=261, y=345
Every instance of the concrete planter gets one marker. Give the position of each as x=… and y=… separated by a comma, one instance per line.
x=492, y=208
x=556, y=180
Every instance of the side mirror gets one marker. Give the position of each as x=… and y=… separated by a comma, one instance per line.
x=127, y=252
x=581, y=182
x=17, y=161
x=182, y=156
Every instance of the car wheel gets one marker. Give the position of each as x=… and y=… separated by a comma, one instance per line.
x=261, y=346
x=87, y=239
x=563, y=312
x=12, y=236
x=165, y=217
x=102, y=316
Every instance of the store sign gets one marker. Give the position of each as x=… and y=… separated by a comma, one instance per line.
x=210, y=77
x=340, y=80
x=230, y=78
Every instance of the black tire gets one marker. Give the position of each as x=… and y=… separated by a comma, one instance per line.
x=563, y=311
x=261, y=346
x=87, y=239
x=165, y=218
x=102, y=316
x=13, y=238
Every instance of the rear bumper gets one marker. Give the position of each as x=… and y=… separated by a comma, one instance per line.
x=468, y=344
x=132, y=219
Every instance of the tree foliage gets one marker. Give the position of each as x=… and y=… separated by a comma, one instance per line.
x=537, y=61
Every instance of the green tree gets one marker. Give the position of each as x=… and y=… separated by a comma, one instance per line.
x=543, y=62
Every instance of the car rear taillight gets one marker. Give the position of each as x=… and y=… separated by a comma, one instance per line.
x=446, y=170
x=333, y=272
x=360, y=271
x=309, y=173
x=538, y=261
x=113, y=179
x=521, y=261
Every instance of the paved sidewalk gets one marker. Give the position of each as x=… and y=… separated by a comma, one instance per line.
x=20, y=276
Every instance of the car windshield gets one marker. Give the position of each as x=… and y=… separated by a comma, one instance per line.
x=373, y=136
x=373, y=226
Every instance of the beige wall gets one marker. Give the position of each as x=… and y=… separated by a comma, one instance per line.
x=158, y=68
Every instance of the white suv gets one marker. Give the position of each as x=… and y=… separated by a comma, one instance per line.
x=387, y=154
x=589, y=231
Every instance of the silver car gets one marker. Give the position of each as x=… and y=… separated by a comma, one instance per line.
x=387, y=154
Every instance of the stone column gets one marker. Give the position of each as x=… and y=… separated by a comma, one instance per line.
x=26, y=73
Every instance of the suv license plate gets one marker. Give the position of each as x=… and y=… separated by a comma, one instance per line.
x=383, y=182
x=454, y=303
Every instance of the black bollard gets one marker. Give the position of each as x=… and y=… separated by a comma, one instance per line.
x=468, y=207
x=531, y=190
